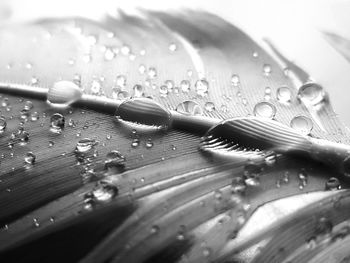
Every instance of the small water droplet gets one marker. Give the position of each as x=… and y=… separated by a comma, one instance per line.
x=115, y=159
x=284, y=94
x=135, y=143
x=34, y=116
x=303, y=178
x=163, y=90
x=51, y=143
x=202, y=87
x=209, y=106
x=149, y=144
x=235, y=80
x=103, y=192
x=57, y=121
x=302, y=124
x=142, y=69
x=36, y=222
x=152, y=73
x=138, y=91
x=121, y=81
x=34, y=81
x=85, y=145
x=172, y=47
x=265, y=109
x=267, y=69
x=185, y=85
x=189, y=107
x=29, y=158
x=125, y=50
x=255, y=54
x=238, y=185
x=28, y=105
x=3, y=124
x=109, y=54
x=95, y=87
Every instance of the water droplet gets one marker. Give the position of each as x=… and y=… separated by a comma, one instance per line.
x=302, y=124
x=143, y=111
x=284, y=94
x=209, y=106
x=172, y=47
x=149, y=144
x=28, y=105
x=312, y=94
x=63, y=93
x=265, y=109
x=121, y=81
x=57, y=121
x=267, y=69
x=138, y=91
x=202, y=87
x=29, y=158
x=252, y=174
x=142, y=69
x=152, y=73
x=109, y=54
x=95, y=87
x=115, y=159
x=185, y=85
x=36, y=222
x=135, y=143
x=190, y=107
x=125, y=50
x=3, y=124
x=333, y=184
x=103, y=192
x=163, y=90
x=235, y=80
x=303, y=178
x=34, y=81
x=238, y=185
x=324, y=226
x=85, y=145
x=122, y=95
x=255, y=54
x=51, y=143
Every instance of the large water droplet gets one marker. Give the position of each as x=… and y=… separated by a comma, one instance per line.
x=57, y=121
x=190, y=107
x=63, y=93
x=302, y=124
x=96, y=87
x=143, y=112
x=202, y=87
x=172, y=47
x=284, y=94
x=312, y=94
x=265, y=109
x=29, y=158
x=115, y=159
x=121, y=81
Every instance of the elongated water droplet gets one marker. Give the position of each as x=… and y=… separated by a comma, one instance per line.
x=302, y=124
x=143, y=111
x=63, y=93
x=190, y=107
x=265, y=109
x=115, y=159
x=284, y=94
x=29, y=158
x=57, y=121
x=312, y=94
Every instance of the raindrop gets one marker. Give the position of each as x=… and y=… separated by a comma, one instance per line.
x=95, y=87
x=312, y=94
x=185, y=85
x=267, y=69
x=135, y=143
x=170, y=85
x=143, y=111
x=255, y=54
x=34, y=116
x=265, y=109
x=142, y=69
x=190, y=107
x=302, y=179
x=238, y=185
x=3, y=124
x=121, y=81
x=29, y=158
x=209, y=106
x=172, y=47
x=333, y=184
x=115, y=159
x=109, y=54
x=149, y=144
x=284, y=94
x=163, y=90
x=102, y=193
x=57, y=121
x=138, y=91
x=235, y=80
x=202, y=87
x=152, y=73
x=85, y=145
x=28, y=105
x=302, y=124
